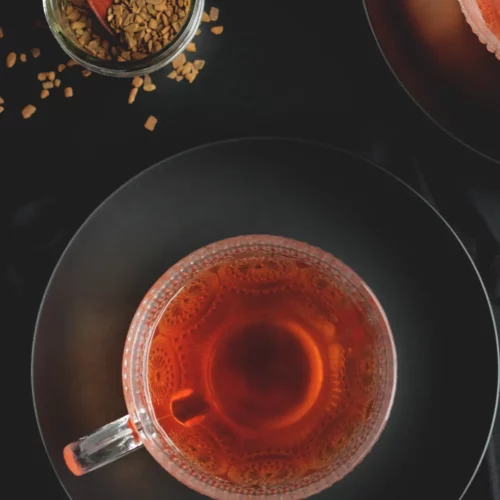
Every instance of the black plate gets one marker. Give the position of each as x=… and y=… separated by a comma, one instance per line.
x=426, y=282
x=443, y=66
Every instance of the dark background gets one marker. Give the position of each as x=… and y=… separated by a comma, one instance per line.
x=300, y=70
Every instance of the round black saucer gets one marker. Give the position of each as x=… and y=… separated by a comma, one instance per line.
x=443, y=66
x=435, y=301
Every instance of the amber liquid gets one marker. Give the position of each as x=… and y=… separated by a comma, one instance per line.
x=262, y=372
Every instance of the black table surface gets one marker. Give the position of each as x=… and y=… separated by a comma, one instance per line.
x=279, y=69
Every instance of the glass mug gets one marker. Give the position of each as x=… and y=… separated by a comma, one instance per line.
x=255, y=367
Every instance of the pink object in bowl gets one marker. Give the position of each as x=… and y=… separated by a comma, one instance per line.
x=484, y=18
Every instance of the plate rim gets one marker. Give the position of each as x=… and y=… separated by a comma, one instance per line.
x=415, y=101
x=257, y=139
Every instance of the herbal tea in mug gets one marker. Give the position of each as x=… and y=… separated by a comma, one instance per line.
x=255, y=367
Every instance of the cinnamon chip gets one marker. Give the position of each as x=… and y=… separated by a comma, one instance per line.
x=151, y=123
x=28, y=111
x=214, y=14
x=11, y=60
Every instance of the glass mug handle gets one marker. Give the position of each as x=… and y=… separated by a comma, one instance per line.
x=119, y=438
x=105, y=445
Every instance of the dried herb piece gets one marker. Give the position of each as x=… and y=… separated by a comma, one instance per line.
x=11, y=59
x=214, y=14
x=28, y=111
x=137, y=82
x=151, y=122
x=133, y=95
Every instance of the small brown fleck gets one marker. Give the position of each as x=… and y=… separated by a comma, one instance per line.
x=150, y=87
x=48, y=85
x=133, y=95
x=57, y=82
x=214, y=14
x=86, y=73
x=191, y=47
x=11, y=59
x=42, y=76
x=35, y=53
x=198, y=32
x=1, y=100
x=23, y=58
x=205, y=18
x=78, y=25
x=151, y=123
x=172, y=75
x=71, y=63
x=61, y=68
x=74, y=15
x=179, y=61
x=131, y=28
x=191, y=76
x=147, y=80
x=44, y=94
x=137, y=82
x=28, y=111
x=1, y=33
x=2, y=109
x=68, y=92
x=217, y=30
x=51, y=75
x=199, y=64
x=187, y=68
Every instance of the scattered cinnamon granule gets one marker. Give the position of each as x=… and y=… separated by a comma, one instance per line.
x=214, y=14
x=133, y=95
x=11, y=60
x=28, y=111
x=151, y=123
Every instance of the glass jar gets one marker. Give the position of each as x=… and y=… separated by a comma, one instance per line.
x=60, y=27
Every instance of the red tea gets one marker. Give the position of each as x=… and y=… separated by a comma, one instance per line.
x=262, y=371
